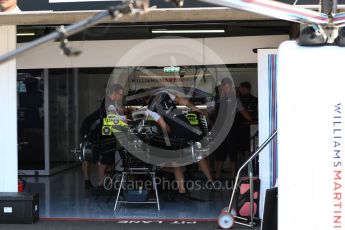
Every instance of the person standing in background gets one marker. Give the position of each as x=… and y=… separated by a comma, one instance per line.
x=228, y=147
x=250, y=103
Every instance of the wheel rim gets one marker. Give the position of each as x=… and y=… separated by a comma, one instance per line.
x=226, y=221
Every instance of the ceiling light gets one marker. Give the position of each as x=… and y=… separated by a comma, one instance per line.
x=26, y=34
x=166, y=31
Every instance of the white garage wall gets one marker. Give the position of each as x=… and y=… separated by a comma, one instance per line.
x=152, y=52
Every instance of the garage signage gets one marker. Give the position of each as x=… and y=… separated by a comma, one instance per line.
x=171, y=69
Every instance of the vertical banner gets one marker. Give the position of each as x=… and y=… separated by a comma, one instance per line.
x=311, y=134
x=267, y=65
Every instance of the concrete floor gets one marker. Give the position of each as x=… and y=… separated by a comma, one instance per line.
x=64, y=198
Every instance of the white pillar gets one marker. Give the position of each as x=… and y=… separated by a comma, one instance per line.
x=8, y=114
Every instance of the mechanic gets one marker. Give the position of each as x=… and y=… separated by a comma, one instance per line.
x=160, y=105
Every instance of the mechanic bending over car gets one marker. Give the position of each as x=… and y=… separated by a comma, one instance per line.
x=103, y=146
x=161, y=103
x=112, y=105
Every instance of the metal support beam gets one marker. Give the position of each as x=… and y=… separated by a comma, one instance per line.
x=63, y=32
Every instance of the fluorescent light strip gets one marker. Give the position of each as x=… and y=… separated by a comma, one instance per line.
x=156, y=31
x=25, y=34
